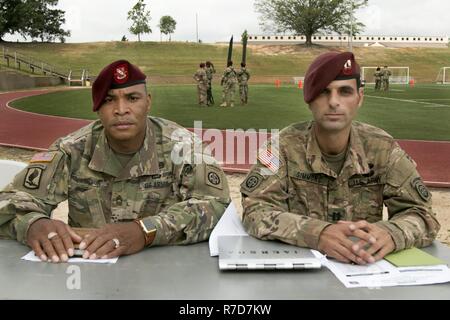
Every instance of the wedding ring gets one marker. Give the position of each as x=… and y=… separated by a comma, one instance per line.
x=116, y=243
x=51, y=235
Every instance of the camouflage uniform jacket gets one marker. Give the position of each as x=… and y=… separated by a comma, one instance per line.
x=209, y=74
x=378, y=74
x=184, y=200
x=229, y=76
x=201, y=78
x=385, y=74
x=296, y=202
x=243, y=76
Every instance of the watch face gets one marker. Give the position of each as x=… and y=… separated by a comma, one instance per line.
x=148, y=225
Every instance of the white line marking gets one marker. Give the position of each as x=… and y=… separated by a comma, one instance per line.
x=428, y=104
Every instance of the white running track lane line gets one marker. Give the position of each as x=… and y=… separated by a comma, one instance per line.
x=428, y=104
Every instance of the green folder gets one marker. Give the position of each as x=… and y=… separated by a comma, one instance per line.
x=412, y=257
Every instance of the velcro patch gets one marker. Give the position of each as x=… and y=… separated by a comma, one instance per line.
x=269, y=160
x=43, y=157
x=252, y=182
x=33, y=177
x=421, y=189
x=213, y=178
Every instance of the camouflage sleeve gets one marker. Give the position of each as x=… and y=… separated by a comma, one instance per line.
x=266, y=212
x=33, y=194
x=204, y=195
x=411, y=219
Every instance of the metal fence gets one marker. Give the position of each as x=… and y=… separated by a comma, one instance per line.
x=15, y=60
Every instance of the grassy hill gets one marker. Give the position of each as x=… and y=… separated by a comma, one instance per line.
x=178, y=59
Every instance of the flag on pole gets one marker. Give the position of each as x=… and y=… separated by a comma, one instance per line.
x=230, y=50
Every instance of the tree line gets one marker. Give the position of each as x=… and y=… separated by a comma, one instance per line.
x=38, y=19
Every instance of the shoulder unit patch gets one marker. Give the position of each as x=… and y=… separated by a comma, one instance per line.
x=421, y=189
x=33, y=178
x=252, y=182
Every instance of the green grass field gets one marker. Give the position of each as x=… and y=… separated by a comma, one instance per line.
x=182, y=59
x=421, y=113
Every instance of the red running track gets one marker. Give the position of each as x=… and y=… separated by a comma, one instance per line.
x=35, y=131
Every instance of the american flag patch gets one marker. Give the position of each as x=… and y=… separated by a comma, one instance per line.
x=268, y=159
x=43, y=157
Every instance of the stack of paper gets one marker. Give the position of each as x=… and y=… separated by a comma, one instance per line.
x=404, y=268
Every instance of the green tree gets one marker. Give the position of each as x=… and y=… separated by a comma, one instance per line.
x=307, y=17
x=45, y=23
x=11, y=17
x=244, y=36
x=140, y=19
x=33, y=18
x=351, y=25
x=167, y=25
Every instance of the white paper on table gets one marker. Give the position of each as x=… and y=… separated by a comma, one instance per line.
x=420, y=275
x=30, y=256
x=230, y=224
x=384, y=274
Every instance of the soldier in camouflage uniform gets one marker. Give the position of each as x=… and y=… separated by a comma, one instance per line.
x=137, y=180
x=322, y=184
x=228, y=82
x=202, y=85
x=378, y=75
x=243, y=76
x=210, y=70
x=385, y=74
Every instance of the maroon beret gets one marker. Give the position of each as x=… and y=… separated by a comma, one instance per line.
x=119, y=74
x=326, y=68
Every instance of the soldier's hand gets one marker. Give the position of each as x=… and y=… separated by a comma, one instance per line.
x=113, y=240
x=374, y=243
x=52, y=240
x=334, y=242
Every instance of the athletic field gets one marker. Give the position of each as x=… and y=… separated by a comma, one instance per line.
x=421, y=112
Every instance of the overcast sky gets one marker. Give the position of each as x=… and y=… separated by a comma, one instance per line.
x=106, y=20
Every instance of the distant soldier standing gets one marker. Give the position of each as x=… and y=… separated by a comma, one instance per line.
x=243, y=76
x=386, y=73
x=202, y=85
x=228, y=82
x=378, y=75
x=209, y=75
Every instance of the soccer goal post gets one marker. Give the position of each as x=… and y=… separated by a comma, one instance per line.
x=399, y=75
x=443, y=75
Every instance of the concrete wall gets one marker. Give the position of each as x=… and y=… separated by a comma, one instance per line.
x=358, y=40
x=13, y=81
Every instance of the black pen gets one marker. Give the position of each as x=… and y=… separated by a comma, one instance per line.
x=366, y=274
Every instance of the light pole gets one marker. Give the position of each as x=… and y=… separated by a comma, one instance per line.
x=196, y=25
x=350, y=43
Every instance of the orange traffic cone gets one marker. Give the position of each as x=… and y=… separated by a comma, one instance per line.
x=277, y=83
x=300, y=84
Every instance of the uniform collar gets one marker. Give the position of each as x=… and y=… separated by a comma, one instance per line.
x=144, y=162
x=355, y=162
